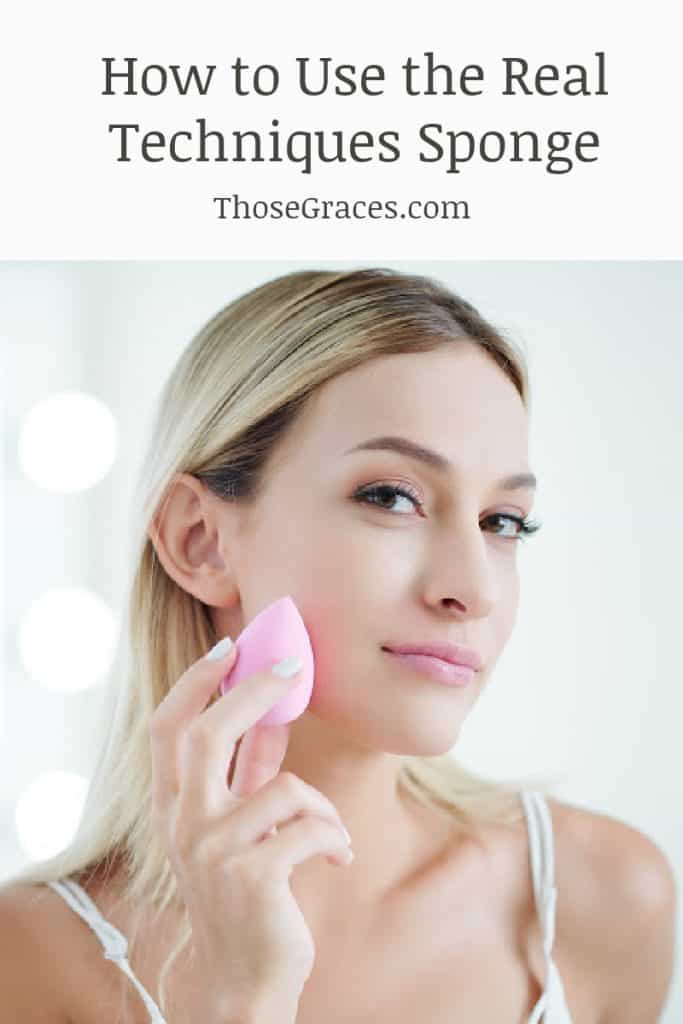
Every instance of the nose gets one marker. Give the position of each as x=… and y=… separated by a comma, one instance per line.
x=461, y=575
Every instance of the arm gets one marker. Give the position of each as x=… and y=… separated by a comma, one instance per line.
x=29, y=983
x=638, y=956
x=616, y=914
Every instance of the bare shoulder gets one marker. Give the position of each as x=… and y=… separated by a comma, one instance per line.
x=27, y=915
x=616, y=909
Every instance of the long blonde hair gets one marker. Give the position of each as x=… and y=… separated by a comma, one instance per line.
x=231, y=396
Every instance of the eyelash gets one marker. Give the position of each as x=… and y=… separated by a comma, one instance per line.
x=527, y=526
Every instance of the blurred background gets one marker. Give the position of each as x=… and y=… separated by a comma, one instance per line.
x=588, y=694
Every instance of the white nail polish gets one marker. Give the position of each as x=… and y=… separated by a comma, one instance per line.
x=287, y=667
x=220, y=649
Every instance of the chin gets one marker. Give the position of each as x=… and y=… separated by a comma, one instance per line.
x=432, y=746
x=431, y=740
x=414, y=730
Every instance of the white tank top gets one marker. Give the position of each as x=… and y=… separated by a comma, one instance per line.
x=551, y=1007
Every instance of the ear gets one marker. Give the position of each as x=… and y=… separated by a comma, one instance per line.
x=191, y=532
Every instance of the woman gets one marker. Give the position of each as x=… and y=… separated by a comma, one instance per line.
x=357, y=440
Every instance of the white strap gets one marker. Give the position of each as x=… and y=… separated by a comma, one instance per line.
x=115, y=944
x=542, y=864
x=538, y=1010
x=541, y=851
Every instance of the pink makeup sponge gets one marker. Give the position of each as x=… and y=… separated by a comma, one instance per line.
x=275, y=633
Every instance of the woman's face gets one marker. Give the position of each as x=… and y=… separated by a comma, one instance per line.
x=388, y=569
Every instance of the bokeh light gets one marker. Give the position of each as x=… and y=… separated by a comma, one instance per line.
x=67, y=639
x=67, y=442
x=48, y=812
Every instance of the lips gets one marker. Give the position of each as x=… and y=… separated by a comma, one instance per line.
x=452, y=653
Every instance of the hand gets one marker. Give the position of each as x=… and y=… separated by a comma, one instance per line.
x=232, y=847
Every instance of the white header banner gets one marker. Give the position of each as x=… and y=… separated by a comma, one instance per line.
x=530, y=130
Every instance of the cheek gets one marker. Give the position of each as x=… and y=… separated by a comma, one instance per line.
x=345, y=581
x=342, y=553
x=343, y=584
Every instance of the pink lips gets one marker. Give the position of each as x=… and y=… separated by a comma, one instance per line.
x=454, y=654
x=438, y=669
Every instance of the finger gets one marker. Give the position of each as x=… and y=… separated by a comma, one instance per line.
x=183, y=702
x=208, y=744
x=282, y=801
x=259, y=757
x=183, y=720
x=300, y=838
x=188, y=697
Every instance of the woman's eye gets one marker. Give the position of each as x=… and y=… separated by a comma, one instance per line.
x=385, y=495
x=519, y=526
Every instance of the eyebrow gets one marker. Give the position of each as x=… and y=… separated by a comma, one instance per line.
x=404, y=446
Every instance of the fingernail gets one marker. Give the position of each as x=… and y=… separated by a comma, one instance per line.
x=348, y=837
x=220, y=649
x=287, y=667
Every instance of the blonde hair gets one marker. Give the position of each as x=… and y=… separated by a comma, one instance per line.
x=230, y=398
